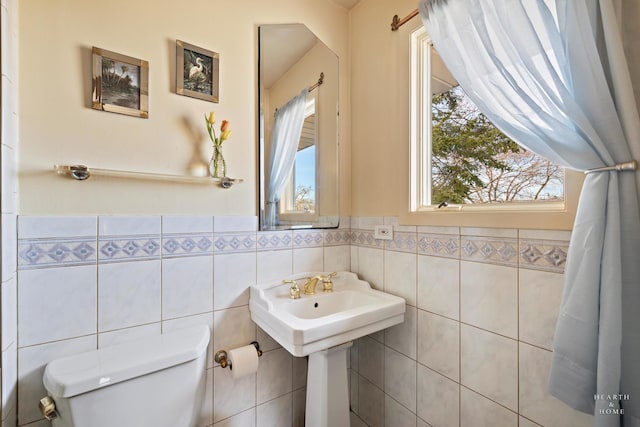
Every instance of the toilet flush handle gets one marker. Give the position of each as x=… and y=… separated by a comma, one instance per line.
x=48, y=408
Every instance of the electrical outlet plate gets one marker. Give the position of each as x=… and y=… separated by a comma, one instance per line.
x=383, y=232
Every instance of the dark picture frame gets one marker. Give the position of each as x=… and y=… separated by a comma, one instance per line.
x=197, y=72
x=120, y=83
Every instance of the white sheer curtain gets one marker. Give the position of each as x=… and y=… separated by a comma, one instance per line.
x=555, y=79
x=285, y=137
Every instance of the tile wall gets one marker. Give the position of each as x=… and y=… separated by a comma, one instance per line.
x=476, y=345
x=91, y=281
x=8, y=207
x=474, y=350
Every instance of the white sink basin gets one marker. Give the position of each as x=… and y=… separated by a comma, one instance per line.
x=317, y=322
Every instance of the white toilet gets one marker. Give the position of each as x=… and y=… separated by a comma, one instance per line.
x=154, y=382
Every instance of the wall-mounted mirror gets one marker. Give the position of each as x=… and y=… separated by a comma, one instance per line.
x=298, y=129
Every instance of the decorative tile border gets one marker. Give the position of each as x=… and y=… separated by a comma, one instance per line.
x=365, y=238
x=40, y=253
x=234, y=242
x=129, y=248
x=337, y=237
x=308, y=238
x=546, y=255
x=500, y=251
x=180, y=245
x=274, y=240
x=440, y=245
x=402, y=242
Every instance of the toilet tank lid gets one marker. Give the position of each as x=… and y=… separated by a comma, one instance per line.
x=84, y=372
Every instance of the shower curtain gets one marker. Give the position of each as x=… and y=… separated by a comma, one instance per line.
x=553, y=76
x=285, y=137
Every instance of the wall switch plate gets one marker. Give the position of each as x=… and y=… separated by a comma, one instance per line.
x=383, y=232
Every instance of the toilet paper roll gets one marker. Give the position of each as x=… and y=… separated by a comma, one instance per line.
x=244, y=361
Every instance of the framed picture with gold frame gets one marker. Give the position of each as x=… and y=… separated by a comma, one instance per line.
x=120, y=83
x=197, y=72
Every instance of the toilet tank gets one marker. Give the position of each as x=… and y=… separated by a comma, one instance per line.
x=153, y=382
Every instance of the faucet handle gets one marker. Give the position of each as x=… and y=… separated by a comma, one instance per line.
x=294, y=291
x=327, y=284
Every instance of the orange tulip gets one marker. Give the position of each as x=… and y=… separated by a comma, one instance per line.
x=223, y=126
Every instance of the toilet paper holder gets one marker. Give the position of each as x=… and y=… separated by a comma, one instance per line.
x=221, y=355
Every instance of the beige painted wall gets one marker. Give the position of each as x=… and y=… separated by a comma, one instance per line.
x=380, y=107
x=57, y=124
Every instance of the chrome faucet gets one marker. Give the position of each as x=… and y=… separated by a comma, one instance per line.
x=312, y=282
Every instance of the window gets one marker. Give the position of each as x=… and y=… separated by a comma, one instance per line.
x=459, y=159
x=300, y=195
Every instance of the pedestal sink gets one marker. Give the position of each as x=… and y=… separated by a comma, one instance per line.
x=322, y=326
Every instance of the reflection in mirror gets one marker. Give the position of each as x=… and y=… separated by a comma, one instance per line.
x=298, y=141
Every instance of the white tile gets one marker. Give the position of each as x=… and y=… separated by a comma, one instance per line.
x=187, y=224
x=438, y=398
x=9, y=312
x=186, y=322
x=56, y=304
x=232, y=328
x=371, y=360
x=232, y=396
x=397, y=415
x=403, y=337
x=9, y=380
x=540, y=297
x=187, y=286
x=266, y=342
x=275, y=413
x=243, y=419
x=337, y=258
x=371, y=266
x=307, y=259
x=400, y=378
x=370, y=403
x=125, y=225
x=273, y=266
x=275, y=375
x=233, y=275
x=535, y=403
x=129, y=294
x=400, y=275
x=223, y=224
x=31, y=364
x=528, y=423
x=106, y=339
x=299, y=398
x=353, y=390
x=489, y=232
x=476, y=410
x=545, y=235
x=438, y=344
x=439, y=230
x=206, y=411
x=355, y=267
x=35, y=227
x=344, y=222
x=395, y=222
x=300, y=366
x=9, y=253
x=489, y=365
x=439, y=285
x=489, y=297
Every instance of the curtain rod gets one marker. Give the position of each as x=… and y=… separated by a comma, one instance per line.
x=318, y=83
x=397, y=22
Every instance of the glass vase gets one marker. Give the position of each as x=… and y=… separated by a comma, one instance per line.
x=217, y=165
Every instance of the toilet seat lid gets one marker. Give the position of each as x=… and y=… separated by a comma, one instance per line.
x=80, y=373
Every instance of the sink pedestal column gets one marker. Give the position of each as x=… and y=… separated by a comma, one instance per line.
x=328, y=388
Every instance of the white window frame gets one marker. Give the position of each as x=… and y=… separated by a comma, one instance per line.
x=420, y=161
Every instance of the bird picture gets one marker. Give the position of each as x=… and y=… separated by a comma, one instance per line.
x=197, y=72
